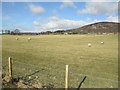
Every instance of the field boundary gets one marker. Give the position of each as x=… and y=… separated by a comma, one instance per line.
x=69, y=72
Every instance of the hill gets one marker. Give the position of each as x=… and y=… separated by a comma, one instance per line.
x=100, y=27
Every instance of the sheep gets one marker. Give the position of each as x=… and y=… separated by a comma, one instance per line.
x=29, y=77
x=36, y=76
x=17, y=38
x=89, y=44
x=29, y=38
x=102, y=42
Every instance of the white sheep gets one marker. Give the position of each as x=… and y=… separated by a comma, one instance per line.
x=17, y=38
x=102, y=42
x=89, y=44
x=29, y=77
x=29, y=38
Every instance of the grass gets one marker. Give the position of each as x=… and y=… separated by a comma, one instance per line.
x=50, y=53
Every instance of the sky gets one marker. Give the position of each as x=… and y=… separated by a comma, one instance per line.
x=52, y=16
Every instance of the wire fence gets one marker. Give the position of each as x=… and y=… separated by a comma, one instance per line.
x=56, y=77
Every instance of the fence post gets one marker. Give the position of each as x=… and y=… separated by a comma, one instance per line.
x=10, y=67
x=66, y=77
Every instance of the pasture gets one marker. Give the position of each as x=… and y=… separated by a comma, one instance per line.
x=48, y=54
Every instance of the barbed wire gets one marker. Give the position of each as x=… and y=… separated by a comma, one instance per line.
x=58, y=61
x=63, y=71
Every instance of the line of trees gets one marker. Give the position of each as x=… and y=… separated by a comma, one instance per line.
x=14, y=32
x=87, y=31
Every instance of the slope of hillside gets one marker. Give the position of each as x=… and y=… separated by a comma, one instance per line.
x=100, y=27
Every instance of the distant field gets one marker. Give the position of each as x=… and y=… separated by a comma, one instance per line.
x=50, y=53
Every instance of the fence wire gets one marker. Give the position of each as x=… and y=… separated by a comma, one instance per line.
x=56, y=77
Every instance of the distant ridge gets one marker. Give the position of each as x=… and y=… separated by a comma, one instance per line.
x=99, y=27
x=95, y=28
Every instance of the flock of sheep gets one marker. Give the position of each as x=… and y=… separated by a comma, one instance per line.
x=89, y=44
x=28, y=39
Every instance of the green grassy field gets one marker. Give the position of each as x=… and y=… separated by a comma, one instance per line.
x=50, y=53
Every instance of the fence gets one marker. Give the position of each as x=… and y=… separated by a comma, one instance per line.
x=56, y=77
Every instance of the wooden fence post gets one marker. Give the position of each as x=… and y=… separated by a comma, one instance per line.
x=66, y=77
x=10, y=67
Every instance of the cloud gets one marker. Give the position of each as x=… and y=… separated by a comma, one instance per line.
x=67, y=4
x=56, y=23
x=36, y=9
x=36, y=23
x=112, y=19
x=59, y=0
x=53, y=18
x=18, y=26
x=101, y=0
x=88, y=19
x=23, y=28
x=99, y=8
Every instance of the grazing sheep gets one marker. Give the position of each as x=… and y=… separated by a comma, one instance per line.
x=102, y=42
x=89, y=44
x=29, y=38
x=17, y=38
x=29, y=77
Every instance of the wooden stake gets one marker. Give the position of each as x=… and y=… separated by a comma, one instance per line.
x=10, y=67
x=66, y=78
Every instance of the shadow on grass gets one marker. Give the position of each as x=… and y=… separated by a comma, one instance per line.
x=81, y=83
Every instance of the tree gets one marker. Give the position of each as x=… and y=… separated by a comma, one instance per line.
x=16, y=31
x=9, y=32
x=6, y=31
